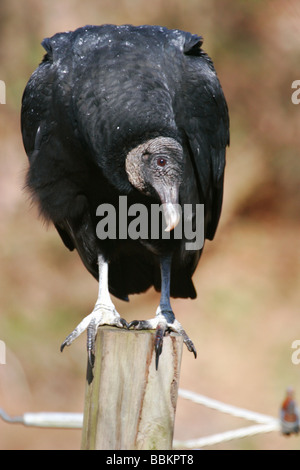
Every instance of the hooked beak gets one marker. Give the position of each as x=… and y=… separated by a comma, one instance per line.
x=172, y=215
x=171, y=207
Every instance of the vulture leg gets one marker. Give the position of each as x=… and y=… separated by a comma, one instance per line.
x=104, y=313
x=164, y=320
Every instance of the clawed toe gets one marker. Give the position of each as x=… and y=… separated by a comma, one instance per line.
x=69, y=339
x=140, y=325
x=158, y=344
x=163, y=327
x=124, y=323
x=65, y=343
x=101, y=315
x=190, y=345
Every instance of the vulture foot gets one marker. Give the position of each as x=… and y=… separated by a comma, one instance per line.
x=164, y=323
x=101, y=315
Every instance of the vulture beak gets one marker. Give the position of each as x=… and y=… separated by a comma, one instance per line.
x=170, y=204
x=172, y=215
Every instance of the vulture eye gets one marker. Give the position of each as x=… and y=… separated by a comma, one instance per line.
x=161, y=161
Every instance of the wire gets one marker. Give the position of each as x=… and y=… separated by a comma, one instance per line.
x=264, y=422
x=46, y=420
x=224, y=407
x=226, y=436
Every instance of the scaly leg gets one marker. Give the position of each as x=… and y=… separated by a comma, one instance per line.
x=164, y=320
x=104, y=313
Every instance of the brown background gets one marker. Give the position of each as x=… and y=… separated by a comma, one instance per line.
x=246, y=315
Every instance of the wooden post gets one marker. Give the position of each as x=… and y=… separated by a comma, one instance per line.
x=129, y=405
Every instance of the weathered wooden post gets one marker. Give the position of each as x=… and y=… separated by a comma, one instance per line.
x=129, y=405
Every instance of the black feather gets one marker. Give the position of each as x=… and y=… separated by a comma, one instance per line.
x=98, y=93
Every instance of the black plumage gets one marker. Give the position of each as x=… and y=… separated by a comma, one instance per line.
x=106, y=103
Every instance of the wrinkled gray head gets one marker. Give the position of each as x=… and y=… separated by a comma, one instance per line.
x=156, y=168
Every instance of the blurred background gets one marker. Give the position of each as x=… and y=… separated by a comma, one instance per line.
x=246, y=315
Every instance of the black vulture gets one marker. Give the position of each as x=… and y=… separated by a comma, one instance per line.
x=134, y=112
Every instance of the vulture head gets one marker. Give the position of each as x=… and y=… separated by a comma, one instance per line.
x=156, y=168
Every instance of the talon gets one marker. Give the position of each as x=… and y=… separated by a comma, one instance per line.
x=91, y=359
x=69, y=339
x=124, y=323
x=91, y=337
x=133, y=323
x=189, y=344
x=101, y=315
x=163, y=324
x=159, y=337
x=140, y=325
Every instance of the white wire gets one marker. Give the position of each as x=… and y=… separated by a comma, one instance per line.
x=226, y=436
x=75, y=420
x=54, y=420
x=225, y=408
x=46, y=419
